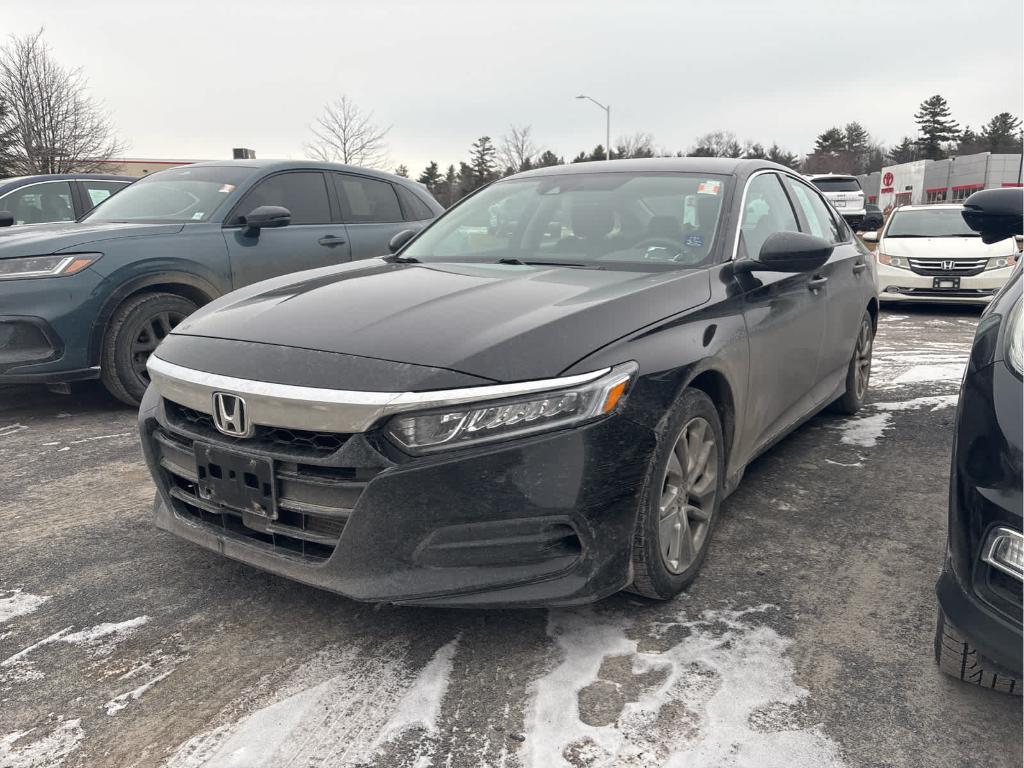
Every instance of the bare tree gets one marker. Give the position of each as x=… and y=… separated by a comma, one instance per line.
x=53, y=124
x=640, y=144
x=517, y=151
x=717, y=144
x=343, y=133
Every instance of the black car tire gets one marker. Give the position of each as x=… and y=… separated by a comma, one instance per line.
x=651, y=576
x=141, y=321
x=957, y=658
x=853, y=397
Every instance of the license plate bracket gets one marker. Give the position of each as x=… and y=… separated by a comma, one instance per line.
x=946, y=283
x=238, y=480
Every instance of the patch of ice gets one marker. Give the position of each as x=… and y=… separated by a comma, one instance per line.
x=932, y=372
x=865, y=430
x=702, y=712
x=48, y=751
x=841, y=464
x=339, y=708
x=11, y=429
x=106, y=629
x=118, y=703
x=18, y=603
x=932, y=402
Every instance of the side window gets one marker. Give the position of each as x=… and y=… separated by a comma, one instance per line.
x=97, y=191
x=366, y=200
x=304, y=193
x=765, y=212
x=40, y=203
x=415, y=209
x=819, y=217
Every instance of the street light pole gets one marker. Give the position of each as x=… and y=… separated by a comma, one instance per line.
x=607, y=124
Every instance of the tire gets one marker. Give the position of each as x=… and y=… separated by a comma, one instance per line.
x=858, y=373
x=663, y=564
x=135, y=329
x=957, y=658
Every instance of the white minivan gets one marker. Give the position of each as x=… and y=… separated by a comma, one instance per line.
x=845, y=194
x=928, y=253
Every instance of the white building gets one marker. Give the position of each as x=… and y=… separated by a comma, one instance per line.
x=941, y=181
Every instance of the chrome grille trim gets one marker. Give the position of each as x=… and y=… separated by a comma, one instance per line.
x=327, y=410
x=936, y=266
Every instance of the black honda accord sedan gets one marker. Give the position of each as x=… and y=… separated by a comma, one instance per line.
x=544, y=412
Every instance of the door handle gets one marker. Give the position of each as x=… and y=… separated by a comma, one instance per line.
x=859, y=267
x=816, y=282
x=331, y=240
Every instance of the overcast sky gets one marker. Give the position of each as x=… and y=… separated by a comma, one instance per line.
x=186, y=79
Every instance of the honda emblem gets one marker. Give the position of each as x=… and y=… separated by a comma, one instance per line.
x=229, y=415
x=949, y=266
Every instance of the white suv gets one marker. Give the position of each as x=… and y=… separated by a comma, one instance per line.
x=928, y=253
x=845, y=194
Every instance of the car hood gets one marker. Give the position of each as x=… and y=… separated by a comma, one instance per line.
x=945, y=247
x=500, y=322
x=42, y=239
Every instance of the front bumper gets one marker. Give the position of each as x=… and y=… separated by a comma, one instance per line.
x=541, y=520
x=985, y=493
x=906, y=285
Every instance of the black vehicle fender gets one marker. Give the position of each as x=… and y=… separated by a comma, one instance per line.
x=190, y=286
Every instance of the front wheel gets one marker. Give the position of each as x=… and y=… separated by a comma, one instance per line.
x=957, y=658
x=858, y=373
x=135, y=330
x=679, y=505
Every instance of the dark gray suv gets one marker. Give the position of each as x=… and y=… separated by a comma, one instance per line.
x=92, y=299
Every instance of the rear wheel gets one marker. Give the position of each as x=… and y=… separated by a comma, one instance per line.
x=680, y=503
x=957, y=658
x=858, y=374
x=135, y=330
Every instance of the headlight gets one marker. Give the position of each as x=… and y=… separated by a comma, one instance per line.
x=893, y=261
x=1015, y=338
x=472, y=424
x=46, y=266
x=1001, y=262
x=1004, y=549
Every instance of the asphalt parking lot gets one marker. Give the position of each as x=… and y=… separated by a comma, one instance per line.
x=805, y=642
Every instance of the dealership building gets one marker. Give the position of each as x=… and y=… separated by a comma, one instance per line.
x=940, y=181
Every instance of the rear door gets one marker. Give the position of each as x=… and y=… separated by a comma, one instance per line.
x=848, y=288
x=785, y=318
x=372, y=213
x=312, y=239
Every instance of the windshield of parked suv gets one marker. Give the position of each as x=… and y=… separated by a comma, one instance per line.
x=840, y=184
x=939, y=222
x=177, y=194
x=613, y=220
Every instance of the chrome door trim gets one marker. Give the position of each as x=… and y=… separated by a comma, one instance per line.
x=327, y=410
x=743, y=202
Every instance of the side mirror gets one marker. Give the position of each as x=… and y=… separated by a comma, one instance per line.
x=265, y=217
x=788, y=252
x=6, y=218
x=395, y=243
x=996, y=213
x=869, y=237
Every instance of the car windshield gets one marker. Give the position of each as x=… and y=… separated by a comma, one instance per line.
x=178, y=194
x=841, y=184
x=613, y=220
x=939, y=222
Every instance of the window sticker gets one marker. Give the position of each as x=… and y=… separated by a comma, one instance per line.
x=197, y=215
x=709, y=187
x=226, y=189
x=97, y=196
x=694, y=241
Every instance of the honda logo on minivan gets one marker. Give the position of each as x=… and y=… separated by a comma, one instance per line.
x=949, y=266
x=229, y=415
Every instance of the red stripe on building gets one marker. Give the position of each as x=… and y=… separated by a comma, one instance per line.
x=1013, y=184
x=937, y=189
x=969, y=186
x=886, y=189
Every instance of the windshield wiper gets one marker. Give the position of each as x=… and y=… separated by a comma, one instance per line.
x=521, y=263
x=404, y=260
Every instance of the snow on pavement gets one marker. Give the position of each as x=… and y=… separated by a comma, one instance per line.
x=29, y=749
x=19, y=603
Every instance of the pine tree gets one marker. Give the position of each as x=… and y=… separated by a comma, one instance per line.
x=970, y=143
x=548, y=158
x=779, y=155
x=831, y=142
x=1002, y=134
x=904, y=152
x=936, y=126
x=598, y=153
x=856, y=138
x=482, y=163
x=754, y=151
x=7, y=139
x=403, y=171
x=431, y=177
x=582, y=157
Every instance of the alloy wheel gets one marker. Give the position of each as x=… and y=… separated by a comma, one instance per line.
x=862, y=358
x=689, y=491
x=150, y=334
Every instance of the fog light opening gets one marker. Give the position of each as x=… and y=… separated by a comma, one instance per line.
x=1004, y=550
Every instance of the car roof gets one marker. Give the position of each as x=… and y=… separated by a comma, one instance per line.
x=931, y=207
x=718, y=165
x=840, y=176
x=271, y=165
